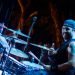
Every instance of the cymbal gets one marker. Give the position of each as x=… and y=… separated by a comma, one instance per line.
x=20, y=41
x=18, y=53
x=40, y=46
x=18, y=32
x=16, y=39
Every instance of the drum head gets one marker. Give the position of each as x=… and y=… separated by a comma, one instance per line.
x=33, y=65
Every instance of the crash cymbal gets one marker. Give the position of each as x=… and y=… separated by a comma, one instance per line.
x=18, y=32
x=18, y=53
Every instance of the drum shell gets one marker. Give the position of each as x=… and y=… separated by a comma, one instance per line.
x=13, y=66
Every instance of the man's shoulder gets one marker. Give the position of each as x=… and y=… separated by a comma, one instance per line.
x=71, y=47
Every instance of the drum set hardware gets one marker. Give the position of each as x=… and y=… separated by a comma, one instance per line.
x=16, y=39
x=18, y=32
x=12, y=66
x=40, y=46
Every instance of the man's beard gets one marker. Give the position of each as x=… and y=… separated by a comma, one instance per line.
x=67, y=36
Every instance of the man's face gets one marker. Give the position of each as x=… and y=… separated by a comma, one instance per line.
x=66, y=32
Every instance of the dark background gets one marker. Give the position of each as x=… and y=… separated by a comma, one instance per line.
x=50, y=16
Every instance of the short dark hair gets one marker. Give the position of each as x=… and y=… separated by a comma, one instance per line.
x=69, y=23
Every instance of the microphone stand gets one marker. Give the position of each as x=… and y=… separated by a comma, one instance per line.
x=30, y=30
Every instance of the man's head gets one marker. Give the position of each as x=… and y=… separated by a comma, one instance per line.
x=69, y=23
x=68, y=28
x=1, y=27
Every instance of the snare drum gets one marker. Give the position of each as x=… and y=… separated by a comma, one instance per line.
x=34, y=69
x=32, y=65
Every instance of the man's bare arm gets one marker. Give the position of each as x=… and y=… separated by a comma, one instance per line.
x=71, y=58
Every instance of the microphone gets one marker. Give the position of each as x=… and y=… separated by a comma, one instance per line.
x=34, y=19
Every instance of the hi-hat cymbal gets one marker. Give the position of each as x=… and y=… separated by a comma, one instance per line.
x=18, y=53
x=18, y=32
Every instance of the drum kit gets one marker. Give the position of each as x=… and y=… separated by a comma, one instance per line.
x=11, y=66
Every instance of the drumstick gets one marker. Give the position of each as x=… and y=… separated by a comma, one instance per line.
x=34, y=56
x=45, y=66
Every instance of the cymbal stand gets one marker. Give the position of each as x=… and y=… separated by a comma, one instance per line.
x=12, y=44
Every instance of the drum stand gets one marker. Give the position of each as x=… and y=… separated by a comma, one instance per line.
x=7, y=55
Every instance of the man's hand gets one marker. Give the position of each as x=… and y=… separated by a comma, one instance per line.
x=47, y=67
x=52, y=51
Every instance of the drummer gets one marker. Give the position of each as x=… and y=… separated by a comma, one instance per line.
x=4, y=47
